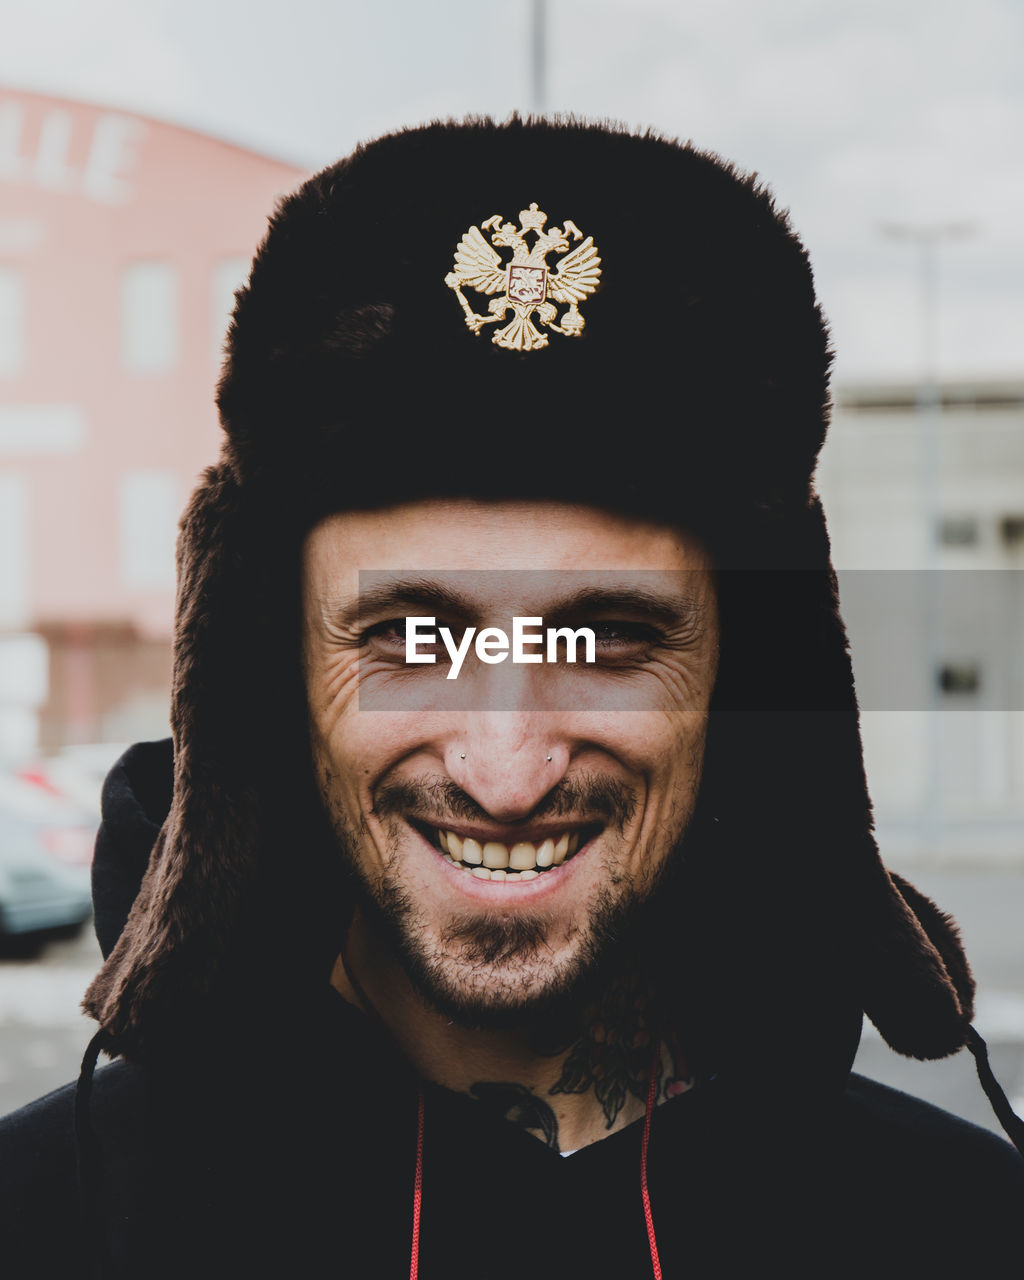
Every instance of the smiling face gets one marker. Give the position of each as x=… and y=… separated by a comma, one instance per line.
x=503, y=825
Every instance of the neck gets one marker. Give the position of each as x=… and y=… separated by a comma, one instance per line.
x=569, y=1085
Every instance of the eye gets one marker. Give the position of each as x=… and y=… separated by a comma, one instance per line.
x=616, y=640
x=387, y=639
x=387, y=636
x=618, y=635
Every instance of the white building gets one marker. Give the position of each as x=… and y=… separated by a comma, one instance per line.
x=926, y=510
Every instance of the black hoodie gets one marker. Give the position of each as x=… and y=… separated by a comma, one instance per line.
x=286, y=1147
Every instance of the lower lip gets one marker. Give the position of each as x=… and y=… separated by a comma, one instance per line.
x=496, y=892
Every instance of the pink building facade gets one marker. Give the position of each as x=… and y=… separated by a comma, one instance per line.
x=122, y=240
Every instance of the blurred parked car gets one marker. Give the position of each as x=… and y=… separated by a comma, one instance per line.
x=46, y=848
x=75, y=773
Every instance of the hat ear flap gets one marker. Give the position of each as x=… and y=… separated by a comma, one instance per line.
x=916, y=983
x=202, y=865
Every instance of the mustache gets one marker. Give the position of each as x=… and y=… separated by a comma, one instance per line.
x=584, y=796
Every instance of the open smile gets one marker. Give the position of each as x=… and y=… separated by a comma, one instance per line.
x=511, y=862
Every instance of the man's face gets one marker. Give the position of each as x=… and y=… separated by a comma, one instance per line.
x=580, y=779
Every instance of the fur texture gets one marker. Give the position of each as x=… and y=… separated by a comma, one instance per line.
x=698, y=394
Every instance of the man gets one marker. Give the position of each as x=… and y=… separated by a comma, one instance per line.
x=453, y=956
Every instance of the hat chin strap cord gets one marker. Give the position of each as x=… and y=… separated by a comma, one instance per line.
x=1007, y=1117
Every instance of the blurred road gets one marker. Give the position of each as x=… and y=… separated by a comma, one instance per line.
x=43, y=1036
x=42, y=1033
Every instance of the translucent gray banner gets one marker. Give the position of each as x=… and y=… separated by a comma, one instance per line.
x=764, y=640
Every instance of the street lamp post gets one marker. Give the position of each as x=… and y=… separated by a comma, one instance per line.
x=928, y=238
x=538, y=55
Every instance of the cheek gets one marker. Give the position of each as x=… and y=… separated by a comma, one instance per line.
x=354, y=748
x=661, y=747
x=688, y=762
x=675, y=781
x=334, y=720
x=675, y=758
x=332, y=690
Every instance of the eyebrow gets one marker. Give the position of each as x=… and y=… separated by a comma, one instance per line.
x=403, y=595
x=663, y=608
x=431, y=597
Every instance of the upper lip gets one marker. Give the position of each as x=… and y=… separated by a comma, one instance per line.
x=533, y=832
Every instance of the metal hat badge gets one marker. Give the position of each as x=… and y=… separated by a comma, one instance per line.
x=525, y=284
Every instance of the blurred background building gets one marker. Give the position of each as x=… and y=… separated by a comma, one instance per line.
x=122, y=241
x=923, y=486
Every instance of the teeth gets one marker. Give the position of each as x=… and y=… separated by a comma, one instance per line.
x=523, y=856
x=495, y=855
x=493, y=860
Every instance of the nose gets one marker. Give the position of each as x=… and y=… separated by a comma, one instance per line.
x=507, y=761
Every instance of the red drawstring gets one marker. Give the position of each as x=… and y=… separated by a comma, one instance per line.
x=417, y=1193
x=652, y=1091
x=417, y=1188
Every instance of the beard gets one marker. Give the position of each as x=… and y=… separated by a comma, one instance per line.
x=495, y=970
x=499, y=969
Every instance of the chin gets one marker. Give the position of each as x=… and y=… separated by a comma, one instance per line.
x=501, y=971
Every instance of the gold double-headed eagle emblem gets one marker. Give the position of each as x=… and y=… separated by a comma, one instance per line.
x=526, y=283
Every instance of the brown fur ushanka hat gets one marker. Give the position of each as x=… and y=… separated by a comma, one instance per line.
x=697, y=394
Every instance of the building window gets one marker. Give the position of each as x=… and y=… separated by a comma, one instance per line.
x=150, y=317
x=41, y=428
x=12, y=321
x=14, y=550
x=228, y=275
x=958, y=531
x=960, y=678
x=1011, y=530
x=149, y=509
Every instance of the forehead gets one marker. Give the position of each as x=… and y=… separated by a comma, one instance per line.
x=459, y=534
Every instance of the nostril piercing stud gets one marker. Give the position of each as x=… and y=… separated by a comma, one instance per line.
x=463, y=756
x=549, y=759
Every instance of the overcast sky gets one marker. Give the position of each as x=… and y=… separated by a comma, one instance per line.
x=857, y=114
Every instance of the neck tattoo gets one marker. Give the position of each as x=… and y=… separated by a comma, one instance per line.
x=612, y=1057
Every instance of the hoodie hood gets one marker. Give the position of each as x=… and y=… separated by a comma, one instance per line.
x=697, y=394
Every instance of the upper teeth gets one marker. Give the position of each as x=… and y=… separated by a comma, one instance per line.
x=496, y=861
